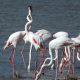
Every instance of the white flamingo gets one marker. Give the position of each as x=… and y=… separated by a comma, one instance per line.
x=37, y=39
x=13, y=39
x=40, y=36
x=65, y=61
x=34, y=38
x=60, y=34
x=54, y=45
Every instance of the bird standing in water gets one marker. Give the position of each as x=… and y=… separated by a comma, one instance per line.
x=13, y=40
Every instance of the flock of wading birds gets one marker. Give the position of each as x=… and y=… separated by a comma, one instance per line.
x=59, y=40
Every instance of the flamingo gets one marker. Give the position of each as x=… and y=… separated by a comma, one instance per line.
x=12, y=41
x=76, y=44
x=14, y=38
x=37, y=39
x=54, y=45
x=34, y=39
x=57, y=35
x=66, y=53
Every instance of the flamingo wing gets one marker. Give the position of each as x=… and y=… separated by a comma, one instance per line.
x=45, y=34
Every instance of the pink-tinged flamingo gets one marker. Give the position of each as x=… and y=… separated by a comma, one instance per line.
x=13, y=39
x=54, y=45
x=60, y=34
x=37, y=40
x=75, y=45
x=66, y=53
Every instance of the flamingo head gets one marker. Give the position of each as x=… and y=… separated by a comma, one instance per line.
x=6, y=45
x=30, y=8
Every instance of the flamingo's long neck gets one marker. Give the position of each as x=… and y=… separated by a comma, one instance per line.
x=44, y=64
x=28, y=24
x=51, y=58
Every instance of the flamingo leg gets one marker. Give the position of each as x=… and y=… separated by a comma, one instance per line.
x=42, y=59
x=56, y=52
x=61, y=67
x=43, y=55
x=61, y=64
x=66, y=52
x=69, y=53
x=79, y=51
x=12, y=60
x=23, y=56
x=37, y=55
x=13, y=63
x=67, y=57
x=29, y=58
x=10, y=56
x=73, y=59
x=36, y=64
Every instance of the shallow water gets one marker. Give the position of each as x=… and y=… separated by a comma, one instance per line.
x=53, y=15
